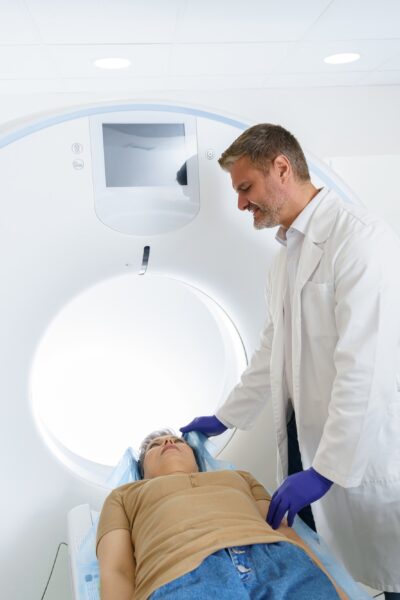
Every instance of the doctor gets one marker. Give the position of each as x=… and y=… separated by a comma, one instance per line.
x=329, y=354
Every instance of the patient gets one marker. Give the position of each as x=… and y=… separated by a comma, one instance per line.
x=180, y=534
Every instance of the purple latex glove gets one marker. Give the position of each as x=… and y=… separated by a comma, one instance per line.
x=295, y=493
x=207, y=425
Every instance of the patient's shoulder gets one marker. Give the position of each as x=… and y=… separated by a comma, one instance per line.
x=130, y=486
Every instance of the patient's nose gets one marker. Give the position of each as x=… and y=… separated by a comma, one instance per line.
x=169, y=441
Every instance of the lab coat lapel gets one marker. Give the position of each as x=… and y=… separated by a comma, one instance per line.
x=310, y=257
x=279, y=277
x=319, y=230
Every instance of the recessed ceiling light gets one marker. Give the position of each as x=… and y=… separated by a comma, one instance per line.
x=341, y=59
x=112, y=63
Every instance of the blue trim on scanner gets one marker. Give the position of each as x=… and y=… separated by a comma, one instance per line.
x=333, y=183
x=43, y=123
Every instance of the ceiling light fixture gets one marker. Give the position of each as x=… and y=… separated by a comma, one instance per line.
x=112, y=63
x=341, y=59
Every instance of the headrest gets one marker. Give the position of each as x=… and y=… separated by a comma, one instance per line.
x=127, y=469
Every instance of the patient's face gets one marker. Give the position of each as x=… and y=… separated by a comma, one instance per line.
x=167, y=455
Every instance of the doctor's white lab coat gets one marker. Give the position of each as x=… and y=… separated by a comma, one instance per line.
x=346, y=382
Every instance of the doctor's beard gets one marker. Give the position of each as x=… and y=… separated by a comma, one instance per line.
x=265, y=217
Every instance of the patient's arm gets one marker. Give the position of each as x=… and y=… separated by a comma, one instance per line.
x=263, y=506
x=117, y=565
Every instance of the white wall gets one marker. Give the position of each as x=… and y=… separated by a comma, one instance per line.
x=372, y=178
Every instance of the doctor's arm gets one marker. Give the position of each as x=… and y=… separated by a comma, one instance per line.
x=248, y=397
x=117, y=565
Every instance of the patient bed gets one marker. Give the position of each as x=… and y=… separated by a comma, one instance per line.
x=82, y=526
x=83, y=565
x=82, y=522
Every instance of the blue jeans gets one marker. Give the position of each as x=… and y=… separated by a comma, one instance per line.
x=392, y=595
x=279, y=571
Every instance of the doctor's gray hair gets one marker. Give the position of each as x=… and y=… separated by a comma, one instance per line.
x=147, y=441
x=263, y=143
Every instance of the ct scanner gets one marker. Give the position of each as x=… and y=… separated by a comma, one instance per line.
x=79, y=237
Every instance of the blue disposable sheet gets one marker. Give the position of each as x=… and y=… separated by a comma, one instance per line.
x=127, y=471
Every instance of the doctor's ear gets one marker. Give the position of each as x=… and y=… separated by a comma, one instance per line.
x=282, y=167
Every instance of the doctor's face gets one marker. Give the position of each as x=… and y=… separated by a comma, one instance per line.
x=168, y=454
x=263, y=194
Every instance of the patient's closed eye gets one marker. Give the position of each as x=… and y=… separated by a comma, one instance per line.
x=155, y=443
x=158, y=442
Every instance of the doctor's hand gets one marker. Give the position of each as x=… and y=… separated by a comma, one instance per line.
x=207, y=425
x=296, y=492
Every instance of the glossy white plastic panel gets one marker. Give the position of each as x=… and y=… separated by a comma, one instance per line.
x=123, y=147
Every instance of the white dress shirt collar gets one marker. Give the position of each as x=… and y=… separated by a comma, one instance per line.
x=302, y=220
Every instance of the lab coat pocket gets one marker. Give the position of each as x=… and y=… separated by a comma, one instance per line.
x=318, y=310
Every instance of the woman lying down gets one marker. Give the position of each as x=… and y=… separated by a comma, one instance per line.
x=182, y=534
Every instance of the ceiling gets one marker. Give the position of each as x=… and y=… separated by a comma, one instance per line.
x=50, y=45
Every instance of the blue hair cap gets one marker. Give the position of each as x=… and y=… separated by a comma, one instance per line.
x=204, y=450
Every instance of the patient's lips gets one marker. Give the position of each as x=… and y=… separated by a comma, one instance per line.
x=169, y=447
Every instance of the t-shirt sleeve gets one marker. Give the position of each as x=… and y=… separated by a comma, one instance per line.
x=258, y=491
x=112, y=516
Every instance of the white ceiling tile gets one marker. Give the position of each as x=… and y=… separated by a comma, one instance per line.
x=16, y=25
x=357, y=20
x=250, y=21
x=382, y=78
x=215, y=83
x=77, y=61
x=226, y=59
x=105, y=21
x=223, y=44
x=309, y=56
x=312, y=79
x=393, y=64
x=108, y=88
x=25, y=62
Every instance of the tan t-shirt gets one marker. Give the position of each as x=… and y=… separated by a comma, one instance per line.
x=178, y=520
